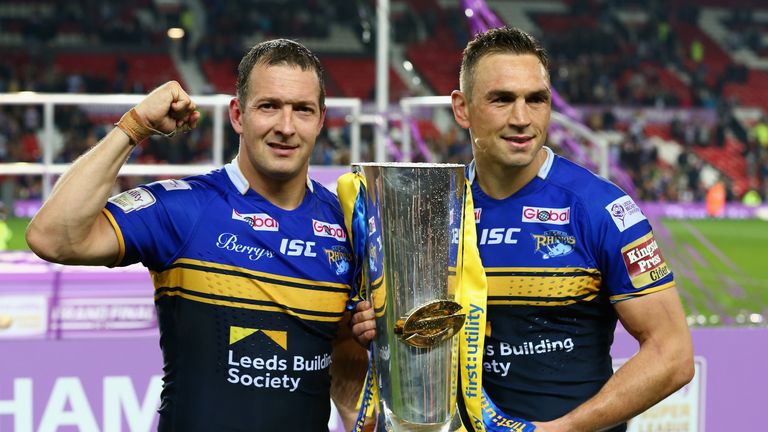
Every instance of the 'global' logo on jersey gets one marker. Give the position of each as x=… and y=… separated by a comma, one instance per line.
x=339, y=259
x=554, y=216
x=325, y=229
x=257, y=221
x=553, y=244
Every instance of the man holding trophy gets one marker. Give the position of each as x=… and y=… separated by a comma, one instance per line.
x=565, y=255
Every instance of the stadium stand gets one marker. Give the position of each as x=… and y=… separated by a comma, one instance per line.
x=680, y=56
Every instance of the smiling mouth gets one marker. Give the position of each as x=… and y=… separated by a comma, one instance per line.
x=519, y=139
x=281, y=146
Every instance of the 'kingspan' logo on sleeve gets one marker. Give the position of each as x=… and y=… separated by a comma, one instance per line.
x=257, y=221
x=325, y=229
x=644, y=262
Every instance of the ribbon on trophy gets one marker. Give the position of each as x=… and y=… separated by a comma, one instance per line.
x=472, y=294
x=352, y=196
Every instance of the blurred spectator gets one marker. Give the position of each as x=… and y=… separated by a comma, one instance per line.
x=601, y=60
x=5, y=231
x=760, y=132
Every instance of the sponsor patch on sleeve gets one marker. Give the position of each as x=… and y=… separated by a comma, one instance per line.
x=172, y=184
x=624, y=212
x=134, y=199
x=643, y=261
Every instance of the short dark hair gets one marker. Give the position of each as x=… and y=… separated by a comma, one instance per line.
x=278, y=52
x=502, y=40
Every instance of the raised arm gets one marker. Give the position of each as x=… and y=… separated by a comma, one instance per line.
x=70, y=228
x=663, y=364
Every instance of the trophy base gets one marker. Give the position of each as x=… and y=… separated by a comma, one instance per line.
x=389, y=422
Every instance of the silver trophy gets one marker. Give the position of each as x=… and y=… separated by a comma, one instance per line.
x=414, y=216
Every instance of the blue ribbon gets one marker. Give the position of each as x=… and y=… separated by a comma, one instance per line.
x=359, y=239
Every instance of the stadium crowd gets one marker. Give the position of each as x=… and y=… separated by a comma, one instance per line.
x=600, y=62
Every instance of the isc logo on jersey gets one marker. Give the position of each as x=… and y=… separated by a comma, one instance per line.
x=553, y=216
x=257, y=221
x=325, y=229
x=493, y=236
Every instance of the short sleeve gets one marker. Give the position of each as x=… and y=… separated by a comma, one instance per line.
x=629, y=256
x=153, y=222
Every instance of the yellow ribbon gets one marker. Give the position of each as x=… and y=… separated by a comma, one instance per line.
x=472, y=294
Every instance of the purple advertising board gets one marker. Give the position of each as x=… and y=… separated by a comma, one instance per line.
x=93, y=384
x=105, y=384
x=79, y=352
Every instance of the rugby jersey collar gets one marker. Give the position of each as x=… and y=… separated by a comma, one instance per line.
x=241, y=184
x=543, y=171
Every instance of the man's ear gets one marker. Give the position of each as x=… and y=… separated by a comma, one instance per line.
x=323, y=111
x=236, y=115
x=460, y=111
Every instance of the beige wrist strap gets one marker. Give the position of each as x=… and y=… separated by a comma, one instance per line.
x=137, y=131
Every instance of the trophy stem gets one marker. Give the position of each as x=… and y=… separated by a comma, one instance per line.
x=390, y=422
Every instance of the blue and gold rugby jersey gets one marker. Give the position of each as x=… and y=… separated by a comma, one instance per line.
x=557, y=254
x=248, y=296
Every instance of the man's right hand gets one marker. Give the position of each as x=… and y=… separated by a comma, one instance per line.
x=363, y=323
x=168, y=108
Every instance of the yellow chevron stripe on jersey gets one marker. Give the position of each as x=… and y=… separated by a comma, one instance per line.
x=221, y=285
x=250, y=306
x=643, y=292
x=287, y=279
x=536, y=286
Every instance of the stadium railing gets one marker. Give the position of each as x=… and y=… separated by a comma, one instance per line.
x=216, y=103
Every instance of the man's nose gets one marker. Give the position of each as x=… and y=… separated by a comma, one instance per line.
x=519, y=115
x=285, y=124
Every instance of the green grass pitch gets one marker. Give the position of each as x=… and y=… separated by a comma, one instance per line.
x=17, y=226
x=721, y=266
